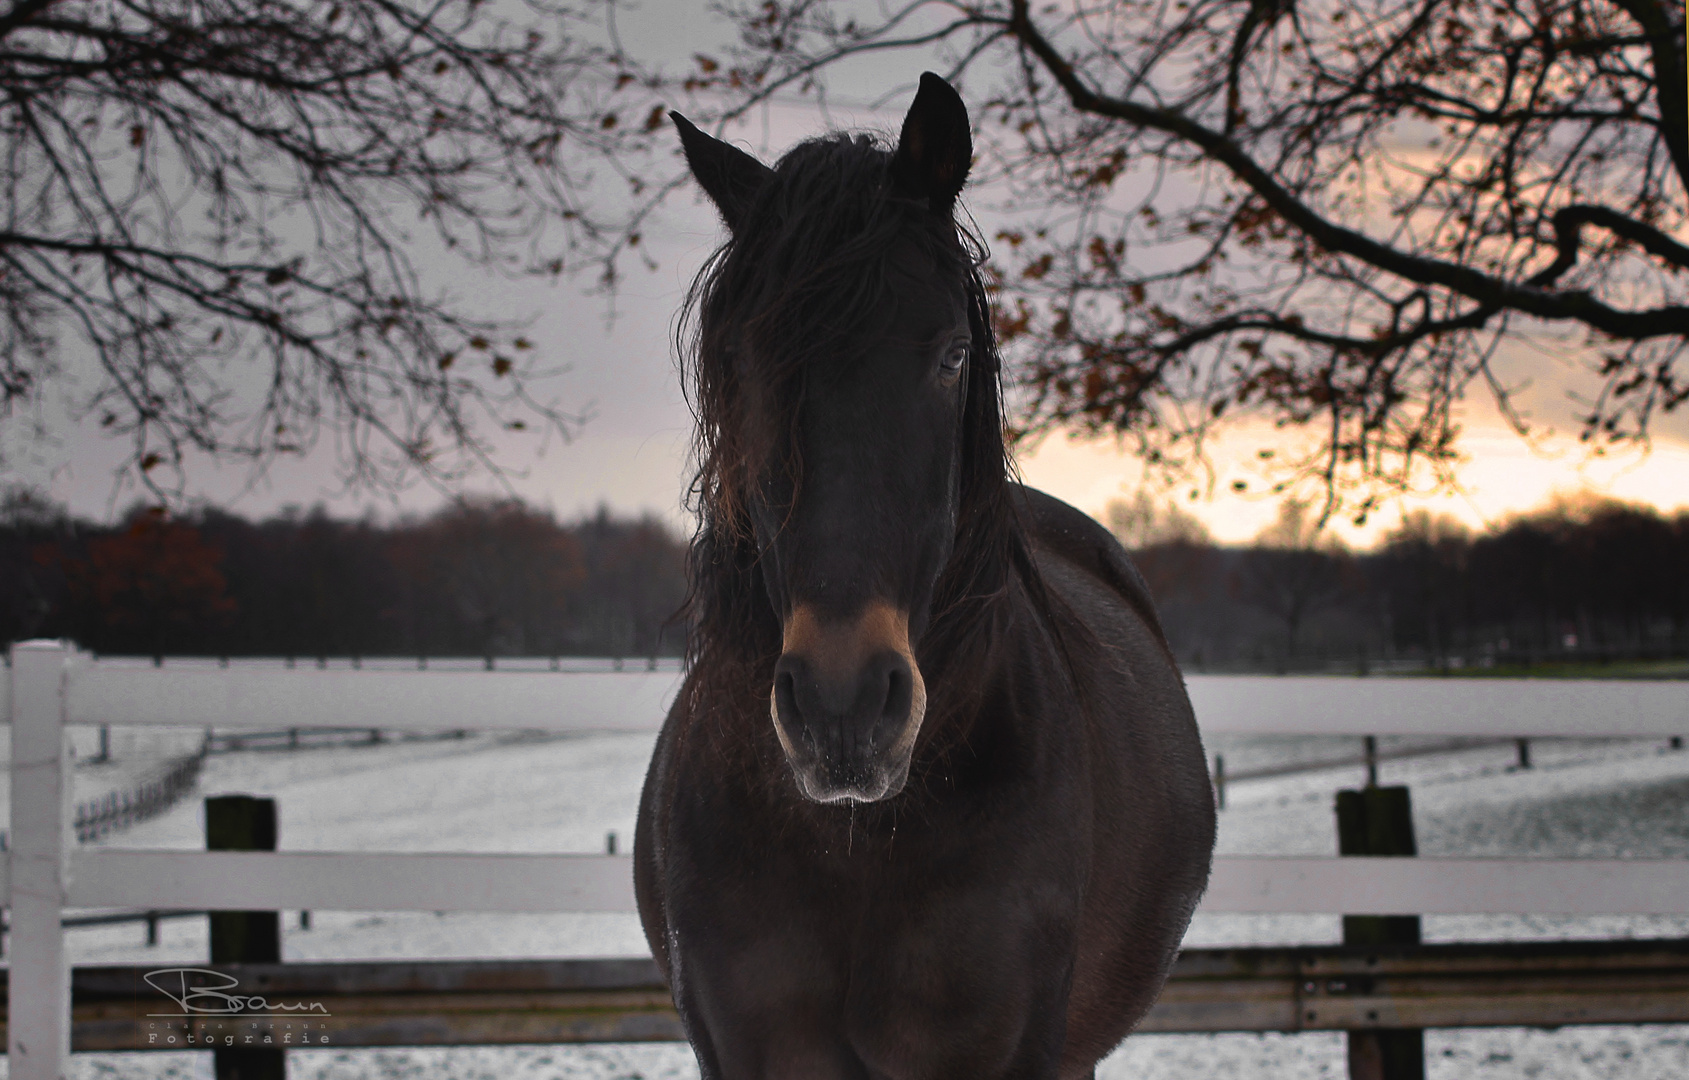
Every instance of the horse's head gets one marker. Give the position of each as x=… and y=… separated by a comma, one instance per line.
x=844, y=367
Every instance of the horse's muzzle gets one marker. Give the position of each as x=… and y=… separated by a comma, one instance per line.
x=847, y=703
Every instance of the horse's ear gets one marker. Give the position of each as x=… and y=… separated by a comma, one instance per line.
x=936, y=148
x=728, y=175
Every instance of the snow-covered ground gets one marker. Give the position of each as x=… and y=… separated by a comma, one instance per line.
x=516, y=793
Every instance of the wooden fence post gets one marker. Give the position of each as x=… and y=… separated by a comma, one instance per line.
x=38, y=1019
x=1379, y=821
x=244, y=823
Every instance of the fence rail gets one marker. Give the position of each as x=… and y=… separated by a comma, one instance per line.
x=51, y=686
x=1323, y=988
x=310, y=739
x=1253, y=884
x=263, y=697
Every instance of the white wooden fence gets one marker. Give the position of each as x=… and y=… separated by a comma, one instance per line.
x=52, y=686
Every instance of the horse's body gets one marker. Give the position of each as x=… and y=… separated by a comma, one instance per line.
x=969, y=837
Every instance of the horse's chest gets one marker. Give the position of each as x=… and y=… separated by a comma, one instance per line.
x=959, y=971
x=916, y=958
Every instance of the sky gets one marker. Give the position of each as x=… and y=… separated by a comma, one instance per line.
x=632, y=454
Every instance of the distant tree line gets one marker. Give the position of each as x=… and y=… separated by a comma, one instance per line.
x=1577, y=580
x=477, y=578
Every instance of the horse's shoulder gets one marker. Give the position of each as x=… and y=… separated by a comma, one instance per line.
x=1058, y=529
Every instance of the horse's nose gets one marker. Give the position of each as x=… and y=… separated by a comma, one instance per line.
x=844, y=714
x=847, y=701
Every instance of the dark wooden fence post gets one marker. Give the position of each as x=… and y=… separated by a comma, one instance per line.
x=244, y=823
x=1379, y=821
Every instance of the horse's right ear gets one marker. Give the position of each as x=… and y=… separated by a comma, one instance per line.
x=728, y=175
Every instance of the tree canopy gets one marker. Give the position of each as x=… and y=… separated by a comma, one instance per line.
x=1336, y=215
x=228, y=207
x=1332, y=213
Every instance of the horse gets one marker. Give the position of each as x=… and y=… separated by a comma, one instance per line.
x=931, y=800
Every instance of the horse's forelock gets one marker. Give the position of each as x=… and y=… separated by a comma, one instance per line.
x=806, y=267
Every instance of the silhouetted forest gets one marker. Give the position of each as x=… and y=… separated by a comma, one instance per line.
x=1580, y=580
x=479, y=578
x=1589, y=580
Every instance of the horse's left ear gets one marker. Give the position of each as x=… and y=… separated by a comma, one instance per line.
x=936, y=147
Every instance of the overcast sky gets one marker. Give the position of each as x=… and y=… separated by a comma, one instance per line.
x=632, y=455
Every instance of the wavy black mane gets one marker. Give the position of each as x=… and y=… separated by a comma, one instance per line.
x=809, y=266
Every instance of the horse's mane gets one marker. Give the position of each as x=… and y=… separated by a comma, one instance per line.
x=809, y=267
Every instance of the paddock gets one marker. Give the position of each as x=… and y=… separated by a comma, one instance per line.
x=460, y=1003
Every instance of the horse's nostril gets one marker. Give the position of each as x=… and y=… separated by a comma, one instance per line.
x=899, y=694
x=786, y=701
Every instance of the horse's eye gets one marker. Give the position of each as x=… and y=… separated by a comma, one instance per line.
x=954, y=358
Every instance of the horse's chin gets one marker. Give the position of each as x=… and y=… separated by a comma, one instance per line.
x=817, y=787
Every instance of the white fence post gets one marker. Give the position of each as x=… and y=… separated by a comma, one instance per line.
x=38, y=1024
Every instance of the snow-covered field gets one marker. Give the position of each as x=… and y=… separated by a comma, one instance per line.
x=516, y=793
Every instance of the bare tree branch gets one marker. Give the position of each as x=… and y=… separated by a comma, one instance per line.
x=1652, y=322
x=21, y=13
x=217, y=200
x=1335, y=214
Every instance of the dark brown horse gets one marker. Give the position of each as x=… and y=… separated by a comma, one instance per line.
x=931, y=802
